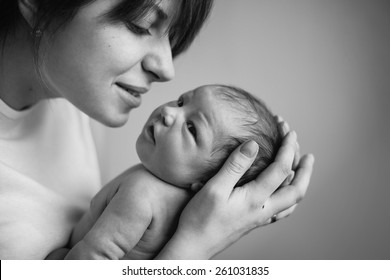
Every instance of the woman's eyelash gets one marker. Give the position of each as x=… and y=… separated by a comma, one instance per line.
x=191, y=128
x=180, y=102
x=137, y=29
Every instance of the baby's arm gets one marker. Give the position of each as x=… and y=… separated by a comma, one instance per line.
x=104, y=233
x=96, y=208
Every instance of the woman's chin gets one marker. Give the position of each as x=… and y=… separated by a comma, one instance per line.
x=116, y=121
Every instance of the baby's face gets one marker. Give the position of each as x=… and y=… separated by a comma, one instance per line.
x=178, y=138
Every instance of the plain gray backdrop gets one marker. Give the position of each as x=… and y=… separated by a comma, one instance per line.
x=325, y=67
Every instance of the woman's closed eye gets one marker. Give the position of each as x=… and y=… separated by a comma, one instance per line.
x=139, y=30
x=191, y=128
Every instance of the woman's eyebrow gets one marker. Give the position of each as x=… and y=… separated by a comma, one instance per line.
x=160, y=12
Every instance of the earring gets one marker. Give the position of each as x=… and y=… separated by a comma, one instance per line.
x=37, y=33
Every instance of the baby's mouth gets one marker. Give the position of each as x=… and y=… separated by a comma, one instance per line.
x=150, y=131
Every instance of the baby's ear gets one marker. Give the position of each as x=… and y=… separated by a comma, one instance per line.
x=195, y=187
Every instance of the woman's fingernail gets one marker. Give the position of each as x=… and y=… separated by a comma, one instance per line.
x=249, y=149
x=293, y=134
x=312, y=158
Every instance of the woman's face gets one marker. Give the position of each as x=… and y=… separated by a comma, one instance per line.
x=102, y=67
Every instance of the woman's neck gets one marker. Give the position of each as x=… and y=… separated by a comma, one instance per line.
x=20, y=86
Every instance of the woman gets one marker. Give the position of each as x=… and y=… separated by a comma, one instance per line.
x=100, y=56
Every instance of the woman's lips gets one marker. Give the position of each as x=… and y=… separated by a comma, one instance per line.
x=133, y=90
x=131, y=100
x=131, y=95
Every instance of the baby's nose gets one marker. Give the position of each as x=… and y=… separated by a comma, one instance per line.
x=167, y=120
x=167, y=116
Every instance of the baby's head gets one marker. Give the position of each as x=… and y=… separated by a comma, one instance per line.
x=185, y=142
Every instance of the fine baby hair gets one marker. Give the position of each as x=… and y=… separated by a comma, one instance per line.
x=258, y=123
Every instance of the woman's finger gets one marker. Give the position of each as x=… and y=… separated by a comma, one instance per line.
x=282, y=215
x=274, y=175
x=288, y=180
x=283, y=129
x=286, y=213
x=235, y=166
x=290, y=195
x=297, y=157
x=278, y=119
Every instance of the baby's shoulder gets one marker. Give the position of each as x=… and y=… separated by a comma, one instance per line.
x=139, y=176
x=140, y=182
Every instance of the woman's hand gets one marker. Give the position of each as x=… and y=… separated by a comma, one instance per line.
x=219, y=214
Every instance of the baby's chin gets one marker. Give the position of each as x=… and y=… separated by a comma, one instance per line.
x=167, y=178
x=162, y=173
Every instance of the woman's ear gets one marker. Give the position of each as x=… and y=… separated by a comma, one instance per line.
x=195, y=187
x=28, y=9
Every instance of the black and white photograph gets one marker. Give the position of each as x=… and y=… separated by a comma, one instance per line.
x=194, y=130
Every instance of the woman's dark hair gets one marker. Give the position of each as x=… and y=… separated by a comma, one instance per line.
x=258, y=124
x=190, y=16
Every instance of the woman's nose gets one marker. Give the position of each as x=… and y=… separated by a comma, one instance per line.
x=168, y=115
x=158, y=61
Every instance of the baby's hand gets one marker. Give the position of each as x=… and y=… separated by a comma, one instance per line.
x=97, y=206
x=58, y=254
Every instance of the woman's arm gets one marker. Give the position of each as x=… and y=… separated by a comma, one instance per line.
x=219, y=214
